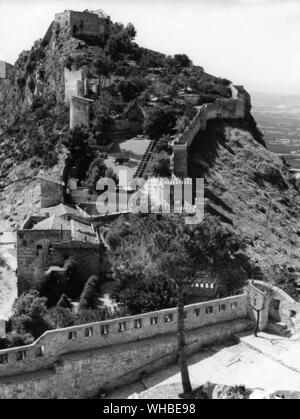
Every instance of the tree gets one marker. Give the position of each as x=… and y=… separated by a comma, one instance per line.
x=131, y=31
x=258, y=300
x=102, y=67
x=159, y=122
x=156, y=258
x=131, y=89
x=65, y=302
x=160, y=165
x=182, y=60
x=82, y=148
x=29, y=314
x=96, y=171
x=89, y=296
x=182, y=274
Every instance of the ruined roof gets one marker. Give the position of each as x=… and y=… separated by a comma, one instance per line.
x=83, y=232
x=80, y=231
x=61, y=210
x=53, y=223
x=51, y=180
x=100, y=13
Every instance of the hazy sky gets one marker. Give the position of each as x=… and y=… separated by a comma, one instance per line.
x=252, y=42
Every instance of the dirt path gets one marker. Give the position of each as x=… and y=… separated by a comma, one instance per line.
x=8, y=291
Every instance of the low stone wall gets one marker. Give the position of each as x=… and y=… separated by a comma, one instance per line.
x=84, y=374
x=53, y=344
x=282, y=307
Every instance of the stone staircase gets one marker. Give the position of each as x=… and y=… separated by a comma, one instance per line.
x=142, y=167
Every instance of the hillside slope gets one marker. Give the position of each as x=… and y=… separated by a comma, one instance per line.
x=251, y=188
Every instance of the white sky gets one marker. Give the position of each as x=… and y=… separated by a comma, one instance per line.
x=251, y=42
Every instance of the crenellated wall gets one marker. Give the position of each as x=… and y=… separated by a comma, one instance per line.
x=64, y=353
x=234, y=108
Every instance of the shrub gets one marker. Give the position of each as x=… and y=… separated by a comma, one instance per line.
x=132, y=88
x=29, y=312
x=89, y=296
x=159, y=122
x=160, y=165
x=64, y=302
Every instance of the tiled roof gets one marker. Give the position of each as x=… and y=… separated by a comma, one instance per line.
x=83, y=232
x=60, y=210
x=53, y=223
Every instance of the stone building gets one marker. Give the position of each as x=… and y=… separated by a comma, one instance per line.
x=4, y=69
x=46, y=243
x=79, y=112
x=51, y=191
x=91, y=24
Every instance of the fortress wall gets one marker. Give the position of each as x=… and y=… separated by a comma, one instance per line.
x=85, y=23
x=53, y=344
x=87, y=255
x=73, y=78
x=79, y=112
x=234, y=108
x=180, y=160
x=125, y=129
x=84, y=374
x=82, y=196
x=52, y=193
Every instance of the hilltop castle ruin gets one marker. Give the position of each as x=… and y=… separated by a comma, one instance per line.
x=88, y=23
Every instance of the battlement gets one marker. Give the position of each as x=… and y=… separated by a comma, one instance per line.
x=45, y=350
x=118, y=351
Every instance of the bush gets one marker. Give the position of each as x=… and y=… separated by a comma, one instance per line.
x=132, y=88
x=270, y=174
x=159, y=122
x=89, y=296
x=83, y=150
x=96, y=171
x=64, y=302
x=160, y=165
x=29, y=315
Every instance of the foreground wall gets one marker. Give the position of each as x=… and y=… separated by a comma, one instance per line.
x=85, y=374
x=53, y=346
